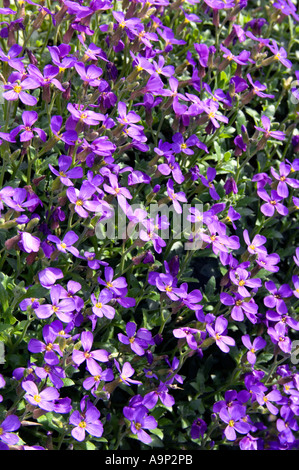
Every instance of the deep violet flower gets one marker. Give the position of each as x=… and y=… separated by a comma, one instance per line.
x=100, y=307
x=273, y=203
x=277, y=295
x=7, y=428
x=114, y=284
x=66, y=244
x=27, y=130
x=233, y=418
x=63, y=308
x=284, y=180
x=266, y=123
x=208, y=182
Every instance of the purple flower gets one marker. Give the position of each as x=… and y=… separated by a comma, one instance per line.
x=44, y=399
x=47, y=77
x=190, y=334
x=268, y=261
x=100, y=307
x=29, y=243
x=161, y=393
x=138, y=340
x=65, y=245
x=241, y=278
x=284, y=180
x=79, y=113
x=89, y=74
x=140, y=420
x=241, y=307
x=218, y=332
x=10, y=424
x=176, y=198
x=233, y=416
x=280, y=54
x=65, y=175
x=49, y=348
x=29, y=118
x=272, y=203
x=198, y=428
x=63, y=309
x=115, y=285
x=125, y=373
x=258, y=88
x=267, y=399
x=11, y=56
x=208, y=182
x=86, y=421
x=87, y=355
x=48, y=276
x=172, y=167
x=266, y=123
x=278, y=335
x=82, y=199
x=69, y=137
x=255, y=247
x=97, y=376
x=130, y=118
x=275, y=299
x=257, y=344
x=167, y=283
x=17, y=91
x=55, y=374
x=211, y=109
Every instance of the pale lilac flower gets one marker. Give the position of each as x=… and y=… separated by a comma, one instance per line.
x=284, y=180
x=86, y=421
x=10, y=424
x=273, y=203
x=87, y=354
x=17, y=91
x=66, y=244
x=233, y=417
x=100, y=307
x=266, y=123
x=139, y=419
x=65, y=174
x=125, y=373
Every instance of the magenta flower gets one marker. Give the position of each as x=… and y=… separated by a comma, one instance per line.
x=17, y=90
x=87, y=355
x=253, y=346
x=266, y=123
x=280, y=54
x=218, y=332
x=65, y=174
x=97, y=376
x=82, y=199
x=29, y=118
x=86, y=421
x=44, y=399
x=89, y=74
x=79, y=113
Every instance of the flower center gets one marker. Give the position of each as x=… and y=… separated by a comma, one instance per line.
x=231, y=423
x=37, y=398
x=168, y=288
x=99, y=305
x=82, y=424
x=17, y=88
x=79, y=202
x=49, y=347
x=242, y=282
x=138, y=426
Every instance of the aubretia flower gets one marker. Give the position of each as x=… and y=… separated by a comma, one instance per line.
x=126, y=373
x=240, y=306
x=86, y=421
x=62, y=308
x=44, y=399
x=176, y=198
x=100, y=307
x=233, y=417
x=65, y=174
x=278, y=335
x=241, y=278
x=218, y=332
x=10, y=424
x=138, y=340
x=198, y=428
x=190, y=334
x=208, y=182
x=280, y=54
x=256, y=246
x=140, y=420
x=17, y=91
x=66, y=244
x=257, y=344
x=273, y=203
x=98, y=375
x=275, y=299
x=283, y=179
x=115, y=285
x=81, y=198
x=26, y=129
x=48, y=276
x=268, y=261
x=267, y=399
x=49, y=348
x=266, y=123
x=87, y=355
